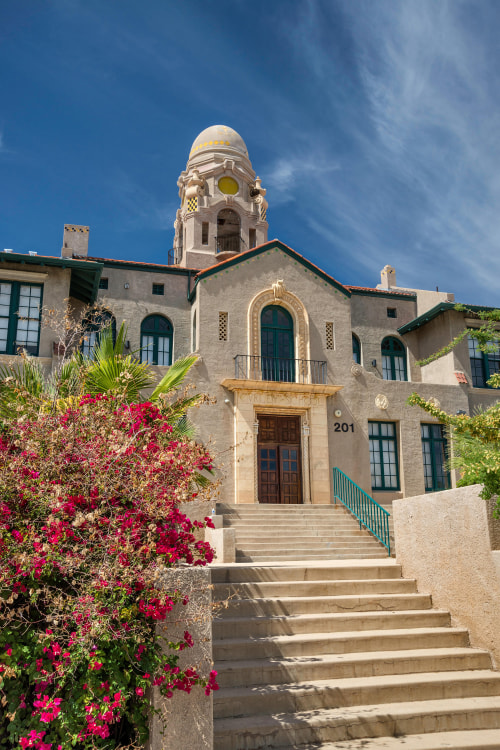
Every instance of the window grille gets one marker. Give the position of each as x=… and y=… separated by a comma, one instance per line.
x=392, y=312
x=223, y=316
x=330, y=341
x=20, y=310
x=159, y=289
x=103, y=283
x=383, y=455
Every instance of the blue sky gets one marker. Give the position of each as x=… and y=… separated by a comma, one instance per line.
x=374, y=124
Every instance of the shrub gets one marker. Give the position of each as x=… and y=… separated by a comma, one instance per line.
x=88, y=522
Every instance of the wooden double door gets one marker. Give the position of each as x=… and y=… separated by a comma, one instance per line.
x=279, y=461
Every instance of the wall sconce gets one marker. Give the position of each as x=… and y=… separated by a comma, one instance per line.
x=256, y=428
x=126, y=285
x=127, y=344
x=374, y=362
x=306, y=430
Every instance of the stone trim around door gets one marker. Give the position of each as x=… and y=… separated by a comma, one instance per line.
x=263, y=397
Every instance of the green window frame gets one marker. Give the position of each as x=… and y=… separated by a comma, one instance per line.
x=20, y=313
x=434, y=455
x=384, y=465
x=356, y=349
x=393, y=359
x=156, y=340
x=277, y=346
x=95, y=322
x=482, y=364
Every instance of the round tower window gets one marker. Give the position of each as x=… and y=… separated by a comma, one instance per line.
x=228, y=186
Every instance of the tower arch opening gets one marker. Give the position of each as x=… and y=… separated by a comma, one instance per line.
x=228, y=231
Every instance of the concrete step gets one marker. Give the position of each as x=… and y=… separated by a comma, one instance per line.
x=301, y=605
x=345, y=643
x=322, y=571
x=331, y=555
x=311, y=553
x=273, y=671
x=309, y=535
x=258, y=627
x=315, y=588
x=357, y=691
x=280, y=543
x=356, y=722
x=477, y=739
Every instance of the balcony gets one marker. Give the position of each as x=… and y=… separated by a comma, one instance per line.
x=278, y=370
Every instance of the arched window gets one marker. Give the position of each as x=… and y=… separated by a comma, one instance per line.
x=393, y=359
x=95, y=322
x=228, y=231
x=356, y=349
x=156, y=340
x=277, y=350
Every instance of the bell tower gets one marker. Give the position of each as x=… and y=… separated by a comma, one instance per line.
x=223, y=205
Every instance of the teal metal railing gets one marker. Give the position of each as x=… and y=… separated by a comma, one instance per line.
x=370, y=514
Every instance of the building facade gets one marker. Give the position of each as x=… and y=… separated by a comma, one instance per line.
x=307, y=373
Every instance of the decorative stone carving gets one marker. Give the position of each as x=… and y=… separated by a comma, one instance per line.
x=195, y=186
x=279, y=289
x=435, y=402
x=299, y=315
x=356, y=369
x=381, y=401
x=257, y=193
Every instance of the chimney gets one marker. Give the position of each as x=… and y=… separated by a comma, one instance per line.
x=75, y=241
x=388, y=277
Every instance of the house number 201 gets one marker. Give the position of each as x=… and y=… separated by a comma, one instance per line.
x=343, y=427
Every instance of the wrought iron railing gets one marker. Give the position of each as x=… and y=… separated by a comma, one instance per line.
x=174, y=256
x=370, y=514
x=280, y=370
x=230, y=243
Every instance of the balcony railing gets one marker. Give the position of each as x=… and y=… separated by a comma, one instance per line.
x=306, y=371
x=174, y=256
x=229, y=243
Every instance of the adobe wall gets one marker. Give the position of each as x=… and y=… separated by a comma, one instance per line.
x=443, y=540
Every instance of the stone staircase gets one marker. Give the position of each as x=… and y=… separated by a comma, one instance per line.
x=276, y=533
x=344, y=654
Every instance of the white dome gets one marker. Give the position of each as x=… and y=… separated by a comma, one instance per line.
x=218, y=138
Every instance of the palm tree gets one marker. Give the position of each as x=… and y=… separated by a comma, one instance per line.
x=24, y=388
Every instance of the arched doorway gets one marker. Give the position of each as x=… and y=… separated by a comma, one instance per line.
x=228, y=231
x=277, y=348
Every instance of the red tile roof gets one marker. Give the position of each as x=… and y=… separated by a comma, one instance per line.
x=139, y=263
x=379, y=291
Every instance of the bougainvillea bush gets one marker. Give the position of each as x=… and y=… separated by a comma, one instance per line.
x=88, y=522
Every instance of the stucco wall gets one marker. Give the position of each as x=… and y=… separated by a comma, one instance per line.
x=186, y=721
x=443, y=540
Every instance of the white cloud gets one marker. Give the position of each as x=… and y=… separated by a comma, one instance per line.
x=420, y=176
x=289, y=176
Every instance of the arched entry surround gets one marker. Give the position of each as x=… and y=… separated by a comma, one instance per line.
x=279, y=296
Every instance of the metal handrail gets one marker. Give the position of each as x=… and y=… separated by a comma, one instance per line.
x=280, y=369
x=369, y=513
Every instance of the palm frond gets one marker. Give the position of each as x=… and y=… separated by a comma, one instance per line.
x=174, y=377
x=20, y=385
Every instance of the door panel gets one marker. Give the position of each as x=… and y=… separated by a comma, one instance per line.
x=279, y=460
x=269, y=486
